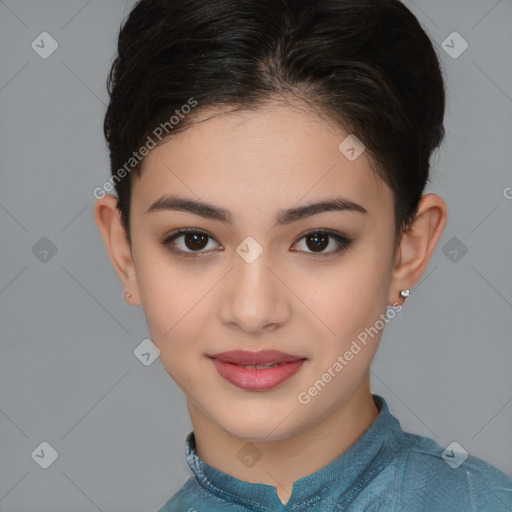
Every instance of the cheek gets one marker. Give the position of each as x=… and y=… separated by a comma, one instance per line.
x=164, y=296
x=349, y=300
x=173, y=324
x=175, y=306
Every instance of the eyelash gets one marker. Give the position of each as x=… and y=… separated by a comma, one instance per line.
x=343, y=242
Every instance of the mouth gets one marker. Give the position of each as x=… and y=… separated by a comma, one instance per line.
x=261, y=358
x=256, y=371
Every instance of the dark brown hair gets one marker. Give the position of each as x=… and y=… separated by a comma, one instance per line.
x=366, y=65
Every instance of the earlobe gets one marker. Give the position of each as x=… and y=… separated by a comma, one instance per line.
x=417, y=244
x=108, y=222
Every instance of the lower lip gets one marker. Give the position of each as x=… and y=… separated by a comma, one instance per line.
x=257, y=380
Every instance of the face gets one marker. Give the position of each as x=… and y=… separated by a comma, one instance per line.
x=307, y=285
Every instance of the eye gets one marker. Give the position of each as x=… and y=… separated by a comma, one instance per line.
x=193, y=241
x=320, y=239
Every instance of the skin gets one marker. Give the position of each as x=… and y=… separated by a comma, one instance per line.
x=286, y=299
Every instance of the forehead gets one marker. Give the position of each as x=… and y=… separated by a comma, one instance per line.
x=279, y=153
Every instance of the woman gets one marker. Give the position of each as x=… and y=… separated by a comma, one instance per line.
x=269, y=159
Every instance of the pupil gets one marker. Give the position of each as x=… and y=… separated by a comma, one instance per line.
x=317, y=243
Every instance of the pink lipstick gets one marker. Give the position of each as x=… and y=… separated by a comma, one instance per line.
x=256, y=371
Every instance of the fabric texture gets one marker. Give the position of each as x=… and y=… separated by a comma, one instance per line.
x=385, y=470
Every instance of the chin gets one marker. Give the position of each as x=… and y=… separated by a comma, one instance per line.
x=264, y=428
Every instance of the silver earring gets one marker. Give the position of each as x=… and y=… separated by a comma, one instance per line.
x=405, y=293
x=127, y=295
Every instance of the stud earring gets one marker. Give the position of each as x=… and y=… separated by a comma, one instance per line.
x=127, y=295
x=405, y=293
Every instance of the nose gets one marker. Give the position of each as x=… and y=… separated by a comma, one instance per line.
x=253, y=296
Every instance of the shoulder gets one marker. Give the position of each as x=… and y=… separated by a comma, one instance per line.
x=431, y=477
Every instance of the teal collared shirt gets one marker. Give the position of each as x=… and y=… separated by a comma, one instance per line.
x=385, y=470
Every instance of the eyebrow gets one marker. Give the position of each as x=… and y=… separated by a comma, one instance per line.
x=288, y=216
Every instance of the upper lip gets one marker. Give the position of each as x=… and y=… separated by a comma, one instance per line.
x=262, y=357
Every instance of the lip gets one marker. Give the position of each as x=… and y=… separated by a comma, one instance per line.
x=229, y=366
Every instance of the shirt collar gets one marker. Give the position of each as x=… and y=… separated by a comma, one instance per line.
x=344, y=475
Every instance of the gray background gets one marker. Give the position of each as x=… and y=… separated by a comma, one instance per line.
x=68, y=374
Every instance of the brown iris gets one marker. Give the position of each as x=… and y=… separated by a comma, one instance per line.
x=320, y=241
x=195, y=241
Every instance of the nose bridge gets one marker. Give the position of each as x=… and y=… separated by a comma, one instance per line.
x=254, y=297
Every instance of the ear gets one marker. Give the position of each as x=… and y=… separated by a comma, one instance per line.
x=108, y=220
x=417, y=244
